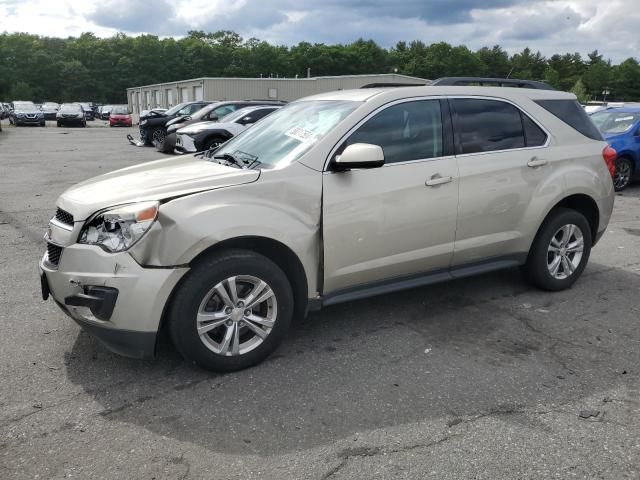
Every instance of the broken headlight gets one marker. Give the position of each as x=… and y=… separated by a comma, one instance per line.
x=119, y=228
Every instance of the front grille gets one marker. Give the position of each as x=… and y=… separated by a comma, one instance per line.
x=54, y=252
x=64, y=217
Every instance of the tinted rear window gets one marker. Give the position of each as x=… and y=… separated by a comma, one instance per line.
x=533, y=133
x=487, y=125
x=572, y=113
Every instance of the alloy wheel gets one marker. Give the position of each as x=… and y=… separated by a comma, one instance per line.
x=158, y=136
x=565, y=251
x=237, y=315
x=623, y=175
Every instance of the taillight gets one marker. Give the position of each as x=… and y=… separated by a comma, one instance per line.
x=609, y=155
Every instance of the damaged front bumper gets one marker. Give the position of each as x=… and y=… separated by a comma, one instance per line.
x=143, y=141
x=110, y=295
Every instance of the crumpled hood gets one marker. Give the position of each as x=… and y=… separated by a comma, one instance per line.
x=151, y=181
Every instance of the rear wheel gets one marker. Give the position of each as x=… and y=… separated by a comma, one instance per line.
x=560, y=252
x=624, y=173
x=232, y=310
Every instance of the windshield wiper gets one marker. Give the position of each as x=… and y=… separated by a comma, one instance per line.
x=231, y=159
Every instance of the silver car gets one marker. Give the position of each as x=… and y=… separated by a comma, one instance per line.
x=334, y=197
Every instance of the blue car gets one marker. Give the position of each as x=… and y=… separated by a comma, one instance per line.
x=620, y=127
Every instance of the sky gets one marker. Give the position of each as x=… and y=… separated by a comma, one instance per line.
x=557, y=26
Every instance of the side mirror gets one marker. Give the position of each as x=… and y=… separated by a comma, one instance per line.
x=359, y=155
x=187, y=118
x=213, y=117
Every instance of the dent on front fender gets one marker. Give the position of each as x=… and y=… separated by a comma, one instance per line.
x=283, y=206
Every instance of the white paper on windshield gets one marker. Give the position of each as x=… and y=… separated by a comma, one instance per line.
x=300, y=134
x=623, y=119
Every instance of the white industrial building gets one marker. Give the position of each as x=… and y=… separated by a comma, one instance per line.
x=166, y=95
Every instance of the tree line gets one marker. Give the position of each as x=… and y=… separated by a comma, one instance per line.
x=88, y=68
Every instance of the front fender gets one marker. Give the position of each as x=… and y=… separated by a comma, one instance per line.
x=282, y=205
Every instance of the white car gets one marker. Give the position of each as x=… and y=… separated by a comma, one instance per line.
x=201, y=136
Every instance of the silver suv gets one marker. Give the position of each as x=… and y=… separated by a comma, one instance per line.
x=334, y=197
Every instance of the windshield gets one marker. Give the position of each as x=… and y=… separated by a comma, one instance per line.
x=70, y=108
x=615, y=122
x=176, y=109
x=204, y=111
x=17, y=105
x=118, y=110
x=237, y=115
x=288, y=133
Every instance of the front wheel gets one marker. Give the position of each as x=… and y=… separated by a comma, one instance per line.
x=560, y=252
x=624, y=173
x=232, y=310
x=213, y=143
x=157, y=138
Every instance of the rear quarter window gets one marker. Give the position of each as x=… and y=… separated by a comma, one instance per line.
x=572, y=113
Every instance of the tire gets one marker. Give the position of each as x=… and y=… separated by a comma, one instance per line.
x=213, y=143
x=624, y=173
x=158, y=135
x=43, y=124
x=84, y=124
x=197, y=293
x=542, y=260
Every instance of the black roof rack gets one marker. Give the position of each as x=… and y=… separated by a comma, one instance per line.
x=392, y=84
x=495, y=82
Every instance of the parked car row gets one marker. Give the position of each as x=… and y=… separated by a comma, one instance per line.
x=77, y=113
x=200, y=125
x=27, y=112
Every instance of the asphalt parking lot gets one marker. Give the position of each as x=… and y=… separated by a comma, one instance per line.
x=479, y=378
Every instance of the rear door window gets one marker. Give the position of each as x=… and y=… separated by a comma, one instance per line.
x=486, y=125
x=534, y=136
x=572, y=113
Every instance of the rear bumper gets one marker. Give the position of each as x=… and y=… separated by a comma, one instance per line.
x=120, y=123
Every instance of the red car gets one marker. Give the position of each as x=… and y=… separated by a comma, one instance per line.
x=120, y=116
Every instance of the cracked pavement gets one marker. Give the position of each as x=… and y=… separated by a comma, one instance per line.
x=482, y=378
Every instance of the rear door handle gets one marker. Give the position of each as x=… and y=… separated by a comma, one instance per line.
x=536, y=162
x=437, y=180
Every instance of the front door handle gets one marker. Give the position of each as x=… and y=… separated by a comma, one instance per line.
x=437, y=180
x=536, y=162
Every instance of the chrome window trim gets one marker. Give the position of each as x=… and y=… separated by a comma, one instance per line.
x=325, y=168
x=521, y=110
x=332, y=152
